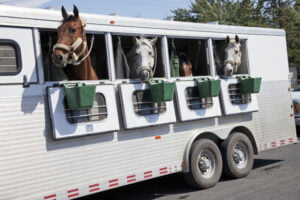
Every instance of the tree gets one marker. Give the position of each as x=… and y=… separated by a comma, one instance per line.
x=284, y=14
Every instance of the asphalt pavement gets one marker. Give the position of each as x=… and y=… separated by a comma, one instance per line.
x=275, y=175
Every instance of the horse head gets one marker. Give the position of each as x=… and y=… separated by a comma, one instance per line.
x=233, y=55
x=71, y=43
x=143, y=58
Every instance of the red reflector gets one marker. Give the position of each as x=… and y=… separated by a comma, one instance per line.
x=291, y=115
x=157, y=137
x=112, y=22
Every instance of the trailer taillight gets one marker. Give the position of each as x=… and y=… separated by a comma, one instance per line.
x=296, y=107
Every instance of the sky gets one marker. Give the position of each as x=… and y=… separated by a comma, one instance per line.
x=159, y=9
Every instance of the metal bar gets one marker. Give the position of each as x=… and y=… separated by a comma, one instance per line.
x=165, y=52
x=195, y=98
x=88, y=108
x=110, y=56
x=211, y=58
x=193, y=104
x=89, y=115
x=145, y=102
x=145, y=109
x=38, y=56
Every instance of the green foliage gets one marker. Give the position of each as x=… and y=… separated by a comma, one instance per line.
x=284, y=14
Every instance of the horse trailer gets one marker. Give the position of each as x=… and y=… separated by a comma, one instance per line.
x=50, y=150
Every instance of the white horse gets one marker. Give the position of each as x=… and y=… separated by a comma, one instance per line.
x=142, y=58
x=233, y=56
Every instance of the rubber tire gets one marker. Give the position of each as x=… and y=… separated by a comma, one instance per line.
x=194, y=177
x=227, y=146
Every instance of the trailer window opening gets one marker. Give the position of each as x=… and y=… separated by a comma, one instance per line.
x=10, y=63
x=98, y=56
x=194, y=101
x=123, y=45
x=219, y=56
x=96, y=113
x=143, y=104
x=235, y=95
x=191, y=55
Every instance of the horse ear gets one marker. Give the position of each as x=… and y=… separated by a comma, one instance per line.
x=75, y=11
x=227, y=39
x=237, y=39
x=153, y=41
x=64, y=13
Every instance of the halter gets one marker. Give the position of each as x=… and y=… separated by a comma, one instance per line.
x=148, y=68
x=229, y=62
x=71, y=50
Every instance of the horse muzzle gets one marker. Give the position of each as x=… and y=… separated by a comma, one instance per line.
x=228, y=68
x=64, y=54
x=60, y=60
x=144, y=73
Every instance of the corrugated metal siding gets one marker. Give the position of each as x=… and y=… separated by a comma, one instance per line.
x=274, y=120
x=33, y=165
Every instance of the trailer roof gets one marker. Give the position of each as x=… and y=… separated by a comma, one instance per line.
x=43, y=18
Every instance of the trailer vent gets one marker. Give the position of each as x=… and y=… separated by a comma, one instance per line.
x=8, y=59
x=143, y=104
x=96, y=113
x=194, y=101
x=236, y=97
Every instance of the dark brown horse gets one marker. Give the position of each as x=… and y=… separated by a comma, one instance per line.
x=71, y=51
x=185, y=65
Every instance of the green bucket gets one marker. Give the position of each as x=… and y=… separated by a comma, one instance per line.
x=79, y=96
x=208, y=87
x=174, y=65
x=161, y=91
x=249, y=85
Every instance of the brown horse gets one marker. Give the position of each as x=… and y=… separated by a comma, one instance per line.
x=185, y=65
x=71, y=51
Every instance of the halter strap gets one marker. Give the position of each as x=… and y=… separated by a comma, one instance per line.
x=89, y=52
x=72, y=49
x=229, y=62
x=139, y=69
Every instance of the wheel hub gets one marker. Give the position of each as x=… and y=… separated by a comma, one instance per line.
x=206, y=163
x=240, y=155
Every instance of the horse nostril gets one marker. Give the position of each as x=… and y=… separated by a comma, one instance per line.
x=59, y=57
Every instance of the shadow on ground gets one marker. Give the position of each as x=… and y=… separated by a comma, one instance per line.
x=155, y=188
x=264, y=162
x=298, y=131
x=147, y=190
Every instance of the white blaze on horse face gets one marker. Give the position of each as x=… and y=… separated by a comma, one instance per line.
x=233, y=58
x=144, y=57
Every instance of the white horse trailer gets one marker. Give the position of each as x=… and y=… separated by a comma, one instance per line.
x=48, y=152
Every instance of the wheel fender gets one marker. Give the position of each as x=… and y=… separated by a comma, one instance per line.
x=194, y=137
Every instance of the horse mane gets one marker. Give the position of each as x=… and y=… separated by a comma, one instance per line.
x=132, y=50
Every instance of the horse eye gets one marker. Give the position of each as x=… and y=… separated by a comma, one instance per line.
x=73, y=30
x=236, y=51
x=150, y=53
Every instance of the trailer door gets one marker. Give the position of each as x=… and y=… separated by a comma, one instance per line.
x=17, y=57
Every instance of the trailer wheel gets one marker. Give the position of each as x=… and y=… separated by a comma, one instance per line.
x=205, y=164
x=238, y=156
